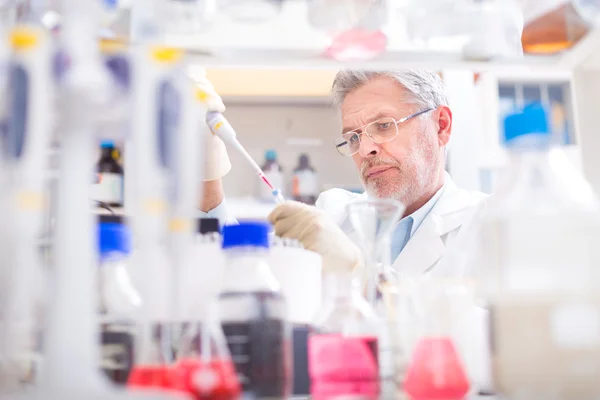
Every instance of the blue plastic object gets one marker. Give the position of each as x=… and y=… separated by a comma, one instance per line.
x=271, y=155
x=532, y=120
x=254, y=234
x=106, y=144
x=113, y=238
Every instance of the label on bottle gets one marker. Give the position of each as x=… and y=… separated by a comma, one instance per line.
x=117, y=351
x=110, y=188
x=258, y=351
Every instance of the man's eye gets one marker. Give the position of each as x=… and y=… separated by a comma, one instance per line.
x=384, y=126
x=353, y=139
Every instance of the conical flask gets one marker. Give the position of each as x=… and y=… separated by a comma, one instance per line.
x=374, y=222
x=204, y=368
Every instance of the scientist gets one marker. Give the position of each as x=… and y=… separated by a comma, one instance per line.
x=396, y=127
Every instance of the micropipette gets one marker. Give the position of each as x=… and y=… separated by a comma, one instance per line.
x=223, y=129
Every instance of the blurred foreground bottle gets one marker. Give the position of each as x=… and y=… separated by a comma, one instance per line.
x=539, y=262
x=553, y=26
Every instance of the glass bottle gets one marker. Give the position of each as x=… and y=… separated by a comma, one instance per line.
x=538, y=260
x=254, y=314
x=343, y=349
x=110, y=188
x=119, y=299
x=204, y=368
x=558, y=28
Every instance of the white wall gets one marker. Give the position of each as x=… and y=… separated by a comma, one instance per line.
x=261, y=126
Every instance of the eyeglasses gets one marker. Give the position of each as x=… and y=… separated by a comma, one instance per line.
x=380, y=131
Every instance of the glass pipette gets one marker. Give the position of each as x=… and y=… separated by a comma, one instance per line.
x=221, y=127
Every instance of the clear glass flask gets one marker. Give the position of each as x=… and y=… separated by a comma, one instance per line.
x=204, y=368
x=343, y=349
x=254, y=314
x=119, y=299
x=538, y=260
x=374, y=222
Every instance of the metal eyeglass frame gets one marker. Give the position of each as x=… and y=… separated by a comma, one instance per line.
x=364, y=129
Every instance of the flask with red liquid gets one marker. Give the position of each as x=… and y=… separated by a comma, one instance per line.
x=436, y=369
x=343, y=352
x=204, y=368
x=151, y=369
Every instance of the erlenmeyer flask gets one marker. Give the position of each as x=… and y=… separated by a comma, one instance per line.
x=437, y=367
x=204, y=368
x=353, y=25
x=343, y=349
x=374, y=222
x=151, y=369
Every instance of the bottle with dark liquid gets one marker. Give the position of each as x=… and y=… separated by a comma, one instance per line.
x=343, y=351
x=254, y=315
x=557, y=29
x=119, y=299
x=109, y=189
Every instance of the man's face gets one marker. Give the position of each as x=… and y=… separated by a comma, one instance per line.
x=407, y=166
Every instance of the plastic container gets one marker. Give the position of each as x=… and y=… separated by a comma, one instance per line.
x=254, y=314
x=538, y=257
x=119, y=299
x=343, y=353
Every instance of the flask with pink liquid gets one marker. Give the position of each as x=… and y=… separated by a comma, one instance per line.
x=343, y=349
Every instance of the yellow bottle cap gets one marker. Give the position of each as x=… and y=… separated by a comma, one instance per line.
x=23, y=38
x=166, y=55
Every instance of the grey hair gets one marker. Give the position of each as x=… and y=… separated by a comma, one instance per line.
x=425, y=88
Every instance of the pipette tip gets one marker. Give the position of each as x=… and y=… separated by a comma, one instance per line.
x=278, y=196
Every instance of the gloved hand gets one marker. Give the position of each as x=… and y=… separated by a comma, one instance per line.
x=317, y=232
x=217, y=163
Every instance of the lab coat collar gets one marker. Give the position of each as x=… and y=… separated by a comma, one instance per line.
x=428, y=245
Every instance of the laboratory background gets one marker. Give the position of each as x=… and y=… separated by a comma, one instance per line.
x=118, y=122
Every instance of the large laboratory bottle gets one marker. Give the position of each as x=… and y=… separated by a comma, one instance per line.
x=343, y=350
x=119, y=300
x=539, y=266
x=552, y=26
x=254, y=314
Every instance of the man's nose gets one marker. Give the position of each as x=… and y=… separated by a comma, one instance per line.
x=367, y=147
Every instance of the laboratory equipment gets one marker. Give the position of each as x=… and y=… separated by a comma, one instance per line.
x=343, y=351
x=254, y=312
x=119, y=299
x=538, y=259
x=354, y=26
x=29, y=129
x=273, y=173
x=305, y=185
x=221, y=127
x=252, y=11
x=436, y=368
x=207, y=226
x=481, y=30
x=185, y=16
x=554, y=26
x=109, y=189
x=374, y=222
x=204, y=368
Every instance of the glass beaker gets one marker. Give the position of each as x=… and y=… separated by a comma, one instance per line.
x=437, y=368
x=354, y=26
x=343, y=349
x=204, y=368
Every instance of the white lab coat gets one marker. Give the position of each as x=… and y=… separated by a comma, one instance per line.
x=431, y=241
x=424, y=254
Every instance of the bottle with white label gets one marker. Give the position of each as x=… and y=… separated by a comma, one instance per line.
x=109, y=189
x=540, y=264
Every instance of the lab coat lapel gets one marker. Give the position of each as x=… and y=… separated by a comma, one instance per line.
x=423, y=250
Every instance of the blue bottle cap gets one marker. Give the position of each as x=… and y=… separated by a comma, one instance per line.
x=113, y=237
x=254, y=234
x=107, y=143
x=532, y=120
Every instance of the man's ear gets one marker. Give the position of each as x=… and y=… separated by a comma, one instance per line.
x=444, y=124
